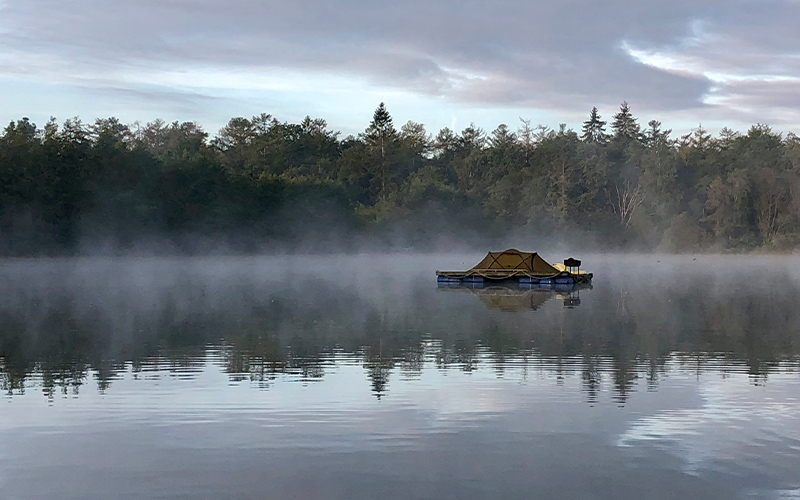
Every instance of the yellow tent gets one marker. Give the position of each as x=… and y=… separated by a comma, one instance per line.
x=511, y=264
x=514, y=260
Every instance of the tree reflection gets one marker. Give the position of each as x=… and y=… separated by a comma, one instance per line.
x=378, y=371
x=255, y=333
x=591, y=378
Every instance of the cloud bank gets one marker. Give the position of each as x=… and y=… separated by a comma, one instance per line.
x=681, y=60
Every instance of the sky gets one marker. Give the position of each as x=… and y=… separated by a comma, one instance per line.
x=443, y=63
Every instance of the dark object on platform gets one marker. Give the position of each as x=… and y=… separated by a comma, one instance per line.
x=573, y=265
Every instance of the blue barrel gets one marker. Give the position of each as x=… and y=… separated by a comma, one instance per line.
x=564, y=280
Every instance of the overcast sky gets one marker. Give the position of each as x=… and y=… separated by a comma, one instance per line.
x=442, y=63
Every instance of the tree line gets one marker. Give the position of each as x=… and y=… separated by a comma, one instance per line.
x=261, y=182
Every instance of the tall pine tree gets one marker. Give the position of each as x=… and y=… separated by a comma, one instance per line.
x=594, y=129
x=624, y=125
x=381, y=136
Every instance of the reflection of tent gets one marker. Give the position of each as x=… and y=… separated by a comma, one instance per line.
x=513, y=300
x=514, y=260
x=504, y=298
x=508, y=298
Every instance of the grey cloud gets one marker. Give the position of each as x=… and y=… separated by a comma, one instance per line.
x=777, y=101
x=183, y=100
x=540, y=54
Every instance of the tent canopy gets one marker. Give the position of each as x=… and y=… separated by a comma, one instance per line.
x=514, y=260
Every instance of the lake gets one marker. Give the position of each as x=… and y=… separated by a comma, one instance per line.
x=357, y=377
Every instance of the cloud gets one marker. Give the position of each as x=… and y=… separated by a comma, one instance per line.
x=182, y=100
x=750, y=54
x=676, y=56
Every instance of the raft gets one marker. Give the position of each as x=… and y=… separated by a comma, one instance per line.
x=523, y=267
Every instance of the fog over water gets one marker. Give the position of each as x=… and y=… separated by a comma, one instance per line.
x=357, y=376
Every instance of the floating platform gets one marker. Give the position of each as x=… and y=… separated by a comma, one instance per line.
x=523, y=267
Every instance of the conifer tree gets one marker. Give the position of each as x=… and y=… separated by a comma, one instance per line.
x=594, y=129
x=624, y=125
x=381, y=135
x=655, y=137
x=382, y=125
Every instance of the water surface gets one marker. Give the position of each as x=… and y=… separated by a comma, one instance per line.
x=357, y=377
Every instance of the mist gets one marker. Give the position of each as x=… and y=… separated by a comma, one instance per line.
x=292, y=312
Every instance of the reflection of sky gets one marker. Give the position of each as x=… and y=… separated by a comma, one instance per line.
x=737, y=422
x=748, y=434
x=517, y=425
x=479, y=432
x=441, y=394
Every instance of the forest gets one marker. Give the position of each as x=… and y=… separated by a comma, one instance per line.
x=263, y=184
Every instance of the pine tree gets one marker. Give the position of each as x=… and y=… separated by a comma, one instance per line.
x=655, y=137
x=594, y=129
x=381, y=125
x=381, y=135
x=625, y=126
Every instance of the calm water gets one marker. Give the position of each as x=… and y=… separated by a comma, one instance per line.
x=359, y=378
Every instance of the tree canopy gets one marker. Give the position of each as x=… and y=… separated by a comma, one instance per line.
x=260, y=182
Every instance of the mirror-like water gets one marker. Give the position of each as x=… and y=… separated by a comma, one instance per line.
x=358, y=377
